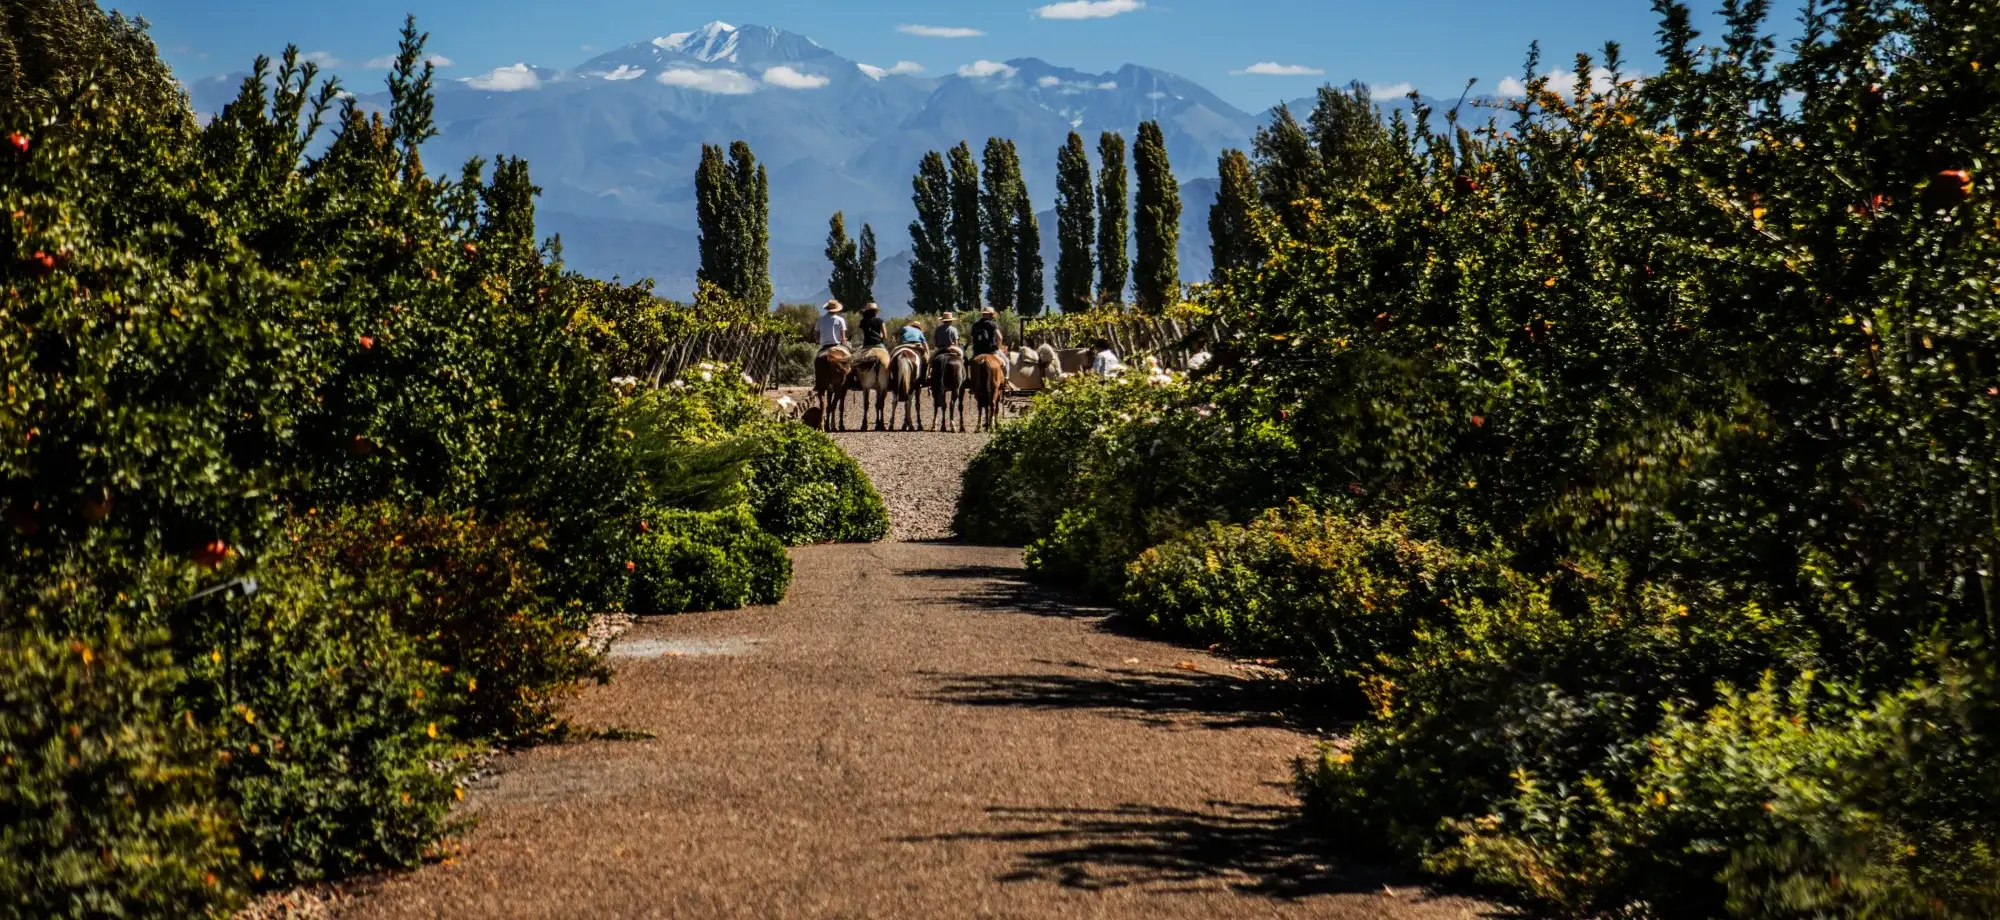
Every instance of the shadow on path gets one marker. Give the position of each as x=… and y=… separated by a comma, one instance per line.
x=1001, y=588
x=1208, y=700
x=1256, y=849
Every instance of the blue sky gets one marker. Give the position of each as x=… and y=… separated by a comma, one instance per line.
x=1433, y=45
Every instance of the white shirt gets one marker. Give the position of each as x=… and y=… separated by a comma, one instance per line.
x=1107, y=364
x=832, y=330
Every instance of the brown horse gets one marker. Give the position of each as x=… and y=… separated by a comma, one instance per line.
x=830, y=373
x=948, y=389
x=989, y=387
x=906, y=376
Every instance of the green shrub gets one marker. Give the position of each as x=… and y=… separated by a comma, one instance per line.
x=804, y=489
x=336, y=753
x=1331, y=594
x=706, y=560
x=107, y=790
x=468, y=592
x=795, y=363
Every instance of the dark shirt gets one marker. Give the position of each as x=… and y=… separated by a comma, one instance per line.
x=985, y=337
x=945, y=337
x=874, y=332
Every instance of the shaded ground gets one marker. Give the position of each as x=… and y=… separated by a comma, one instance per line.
x=915, y=733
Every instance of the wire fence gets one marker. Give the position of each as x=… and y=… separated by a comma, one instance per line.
x=1172, y=341
x=757, y=351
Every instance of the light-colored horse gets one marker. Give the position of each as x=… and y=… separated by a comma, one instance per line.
x=1034, y=369
x=871, y=371
x=906, y=377
x=989, y=388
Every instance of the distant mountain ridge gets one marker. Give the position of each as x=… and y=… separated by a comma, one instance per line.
x=615, y=140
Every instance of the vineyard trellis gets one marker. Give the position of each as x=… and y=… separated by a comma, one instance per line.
x=756, y=351
x=1173, y=341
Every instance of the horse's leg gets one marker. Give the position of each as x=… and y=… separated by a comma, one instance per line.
x=917, y=404
x=881, y=403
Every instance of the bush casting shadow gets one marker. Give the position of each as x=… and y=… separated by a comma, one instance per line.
x=1266, y=850
x=1005, y=589
x=1207, y=700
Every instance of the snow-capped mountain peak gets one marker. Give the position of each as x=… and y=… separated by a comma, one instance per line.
x=710, y=43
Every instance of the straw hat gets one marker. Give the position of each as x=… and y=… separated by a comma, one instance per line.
x=870, y=308
x=988, y=311
x=833, y=306
x=946, y=317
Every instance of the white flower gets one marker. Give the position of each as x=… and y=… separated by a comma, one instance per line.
x=705, y=375
x=752, y=381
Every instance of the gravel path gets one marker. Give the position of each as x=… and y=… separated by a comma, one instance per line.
x=918, y=474
x=917, y=732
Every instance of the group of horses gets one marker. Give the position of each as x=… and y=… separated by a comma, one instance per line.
x=899, y=381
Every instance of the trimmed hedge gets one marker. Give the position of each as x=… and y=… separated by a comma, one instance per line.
x=804, y=489
x=706, y=560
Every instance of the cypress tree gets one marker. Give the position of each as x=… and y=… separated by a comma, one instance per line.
x=752, y=227
x=965, y=227
x=1113, y=219
x=996, y=206
x=509, y=205
x=933, y=286
x=1075, y=226
x=1288, y=170
x=712, y=205
x=1348, y=134
x=1032, y=299
x=865, y=270
x=845, y=258
x=1236, y=232
x=1157, y=223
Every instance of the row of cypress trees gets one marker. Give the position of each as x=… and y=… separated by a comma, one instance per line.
x=966, y=235
x=733, y=212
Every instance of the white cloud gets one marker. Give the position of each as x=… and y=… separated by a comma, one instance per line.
x=985, y=69
x=1563, y=82
x=939, y=31
x=1108, y=84
x=1049, y=81
x=1275, y=69
x=1390, y=90
x=322, y=58
x=1156, y=94
x=900, y=68
x=720, y=82
x=625, y=72
x=389, y=60
x=787, y=78
x=1510, y=86
x=506, y=79
x=1089, y=9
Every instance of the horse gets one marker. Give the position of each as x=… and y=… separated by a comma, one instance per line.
x=948, y=388
x=1035, y=368
x=830, y=375
x=989, y=387
x=906, y=377
x=871, y=375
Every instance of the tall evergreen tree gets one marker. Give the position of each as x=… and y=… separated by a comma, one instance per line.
x=1032, y=298
x=753, y=228
x=510, y=205
x=996, y=206
x=1076, y=223
x=965, y=242
x=1237, y=235
x=713, y=203
x=1288, y=170
x=1113, y=219
x=933, y=285
x=865, y=277
x=1157, y=223
x=1348, y=134
x=845, y=257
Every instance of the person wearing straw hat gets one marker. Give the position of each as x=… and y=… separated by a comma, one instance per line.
x=986, y=338
x=832, y=327
x=945, y=338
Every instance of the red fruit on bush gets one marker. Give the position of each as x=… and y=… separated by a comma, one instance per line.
x=471, y=249
x=1951, y=187
x=367, y=341
x=1466, y=185
x=212, y=553
x=41, y=264
x=645, y=527
x=19, y=140
x=1479, y=421
x=1381, y=322
x=631, y=566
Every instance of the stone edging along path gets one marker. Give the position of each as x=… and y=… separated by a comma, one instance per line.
x=915, y=732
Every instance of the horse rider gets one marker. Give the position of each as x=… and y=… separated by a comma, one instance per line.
x=1106, y=363
x=912, y=337
x=986, y=338
x=832, y=327
x=945, y=337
